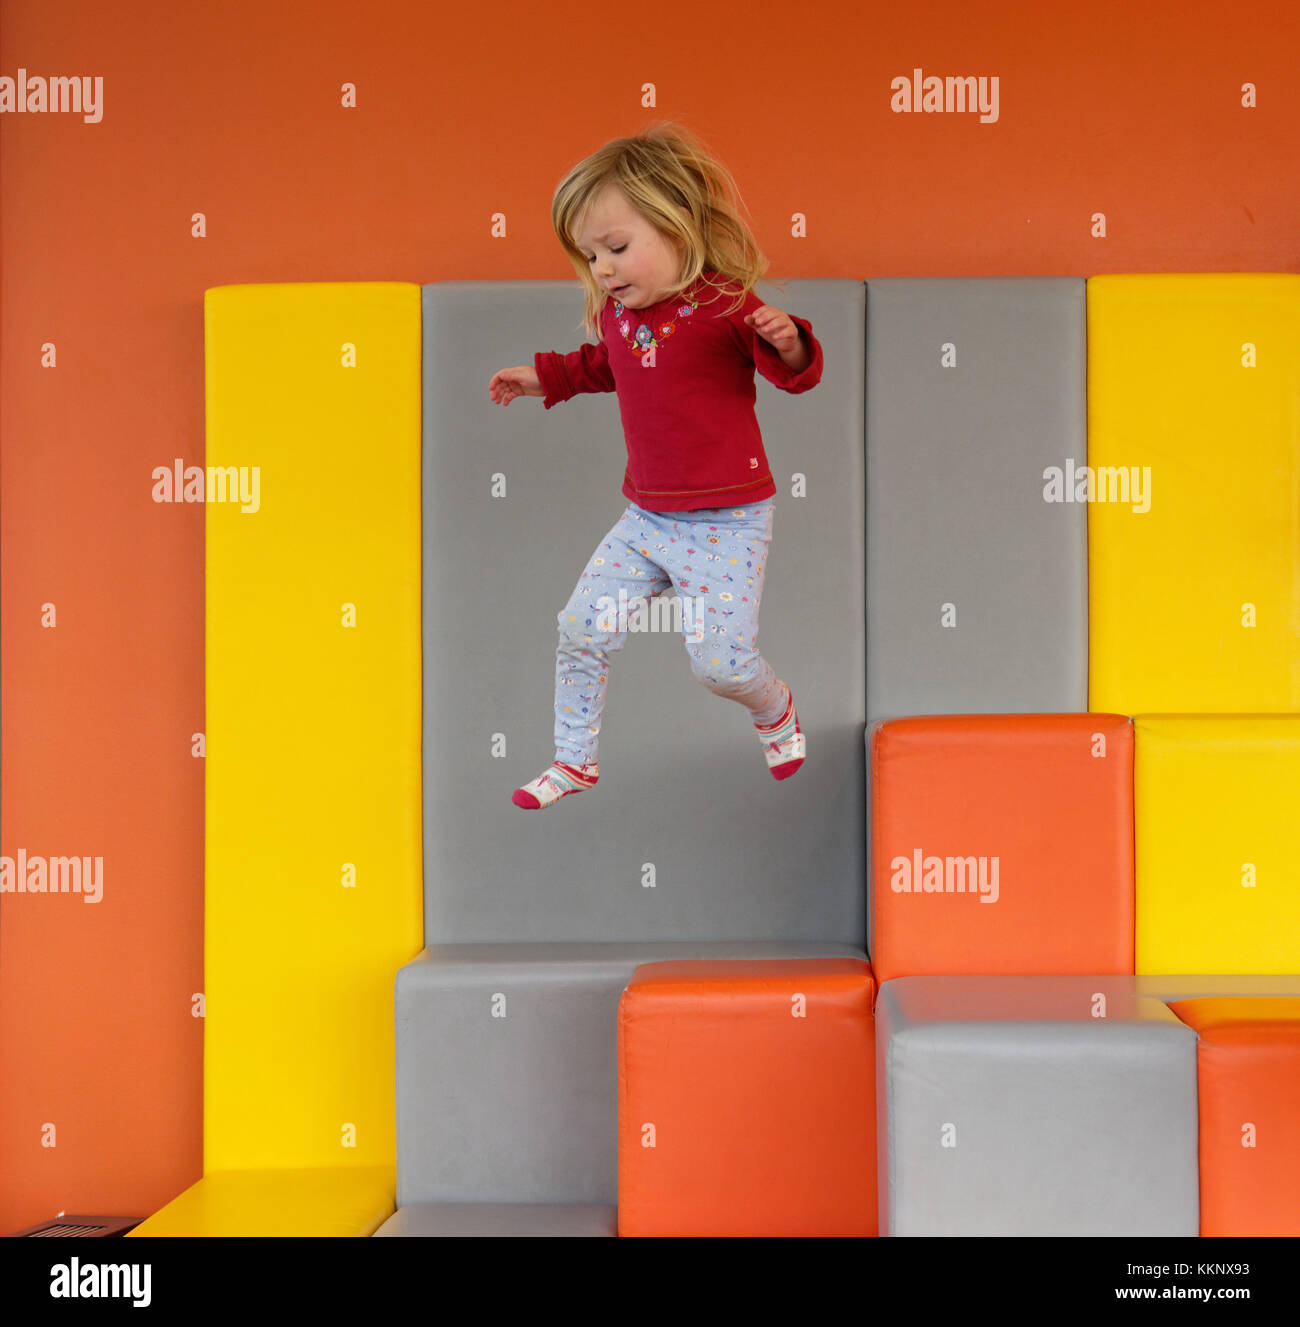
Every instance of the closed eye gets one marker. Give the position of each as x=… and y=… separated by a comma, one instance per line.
x=592, y=259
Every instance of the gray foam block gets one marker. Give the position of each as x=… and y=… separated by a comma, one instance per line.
x=1007, y=1106
x=501, y=1220
x=507, y=1066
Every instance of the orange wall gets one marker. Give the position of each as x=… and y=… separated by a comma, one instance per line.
x=233, y=110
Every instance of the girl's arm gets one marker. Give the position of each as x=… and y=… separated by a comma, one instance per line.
x=583, y=370
x=768, y=360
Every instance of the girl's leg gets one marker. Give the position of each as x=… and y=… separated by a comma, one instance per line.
x=723, y=572
x=622, y=570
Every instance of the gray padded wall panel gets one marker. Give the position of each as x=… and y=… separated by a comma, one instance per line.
x=683, y=785
x=507, y=1065
x=955, y=506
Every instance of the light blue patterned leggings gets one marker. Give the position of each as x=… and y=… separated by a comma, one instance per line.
x=715, y=556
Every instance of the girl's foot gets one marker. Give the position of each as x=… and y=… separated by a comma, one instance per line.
x=552, y=784
x=783, y=741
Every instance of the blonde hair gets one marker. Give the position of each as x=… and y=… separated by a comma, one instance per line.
x=664, y=171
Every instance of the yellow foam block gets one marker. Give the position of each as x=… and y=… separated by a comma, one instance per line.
x=1194, y=386
x=1217, y=838
x=350, y=1200
x=313, y=795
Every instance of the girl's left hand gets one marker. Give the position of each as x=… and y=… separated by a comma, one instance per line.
x=774, y=326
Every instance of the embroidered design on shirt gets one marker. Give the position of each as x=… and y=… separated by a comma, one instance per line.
x=647, y=339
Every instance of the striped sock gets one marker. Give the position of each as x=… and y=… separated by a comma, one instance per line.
x=558, y=781
x=783, y=741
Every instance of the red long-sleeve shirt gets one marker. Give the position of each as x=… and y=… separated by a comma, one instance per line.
x=688, y=418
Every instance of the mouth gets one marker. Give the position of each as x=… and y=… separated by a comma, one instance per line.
x=619, y=291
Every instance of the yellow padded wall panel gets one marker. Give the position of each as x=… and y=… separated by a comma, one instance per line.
x=1172, y=589
x=313, y=792
x=1217, y=838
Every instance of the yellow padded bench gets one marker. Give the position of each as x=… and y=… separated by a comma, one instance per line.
x=313, y=792
x=1217, y=838
x=342, y=1200
x=1194, y=603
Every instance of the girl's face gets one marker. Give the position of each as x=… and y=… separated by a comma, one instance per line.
x=629, y=258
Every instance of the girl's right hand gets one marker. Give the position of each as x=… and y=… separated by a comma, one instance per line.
x=506, y=384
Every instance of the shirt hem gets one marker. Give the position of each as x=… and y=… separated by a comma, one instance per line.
x=678, y=499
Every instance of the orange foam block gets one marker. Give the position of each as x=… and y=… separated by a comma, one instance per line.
x=1002, y=844
x=1248, y=1085
x=747, y=1098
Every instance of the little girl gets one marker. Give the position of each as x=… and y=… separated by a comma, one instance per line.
x=658, y=246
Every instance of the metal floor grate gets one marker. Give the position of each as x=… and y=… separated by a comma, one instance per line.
x=79, y=1227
